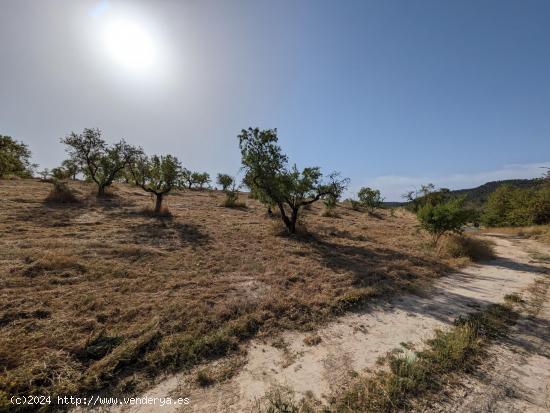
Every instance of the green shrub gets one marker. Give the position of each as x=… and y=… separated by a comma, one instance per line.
x=510, y=206
x=230, y=199
x=370, y=198
x=443, y=218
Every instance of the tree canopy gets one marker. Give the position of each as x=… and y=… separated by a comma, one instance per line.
x=14, y=158
x=440, y=218
x=370, y=198
x=225, y=181
x=200, y=179
x=511, y=206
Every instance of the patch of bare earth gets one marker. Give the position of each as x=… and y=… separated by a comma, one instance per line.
x=320, y=364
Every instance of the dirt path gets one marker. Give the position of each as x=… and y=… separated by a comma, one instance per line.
x=354, y=343
x=516, y=376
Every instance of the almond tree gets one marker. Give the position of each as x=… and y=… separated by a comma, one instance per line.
x=225, y=181
x=186, y=179
x=200, y=179
x=71, y=167
x=101, y=163
x=156, y=175
x=370, y=198
x=274, y=183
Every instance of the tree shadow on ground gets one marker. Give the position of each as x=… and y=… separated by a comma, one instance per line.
x=533, y=337
x=517, y=266
x=57, y=214
x=169, y=233
x=379, y=267
x=50, y=214
x=109, y=201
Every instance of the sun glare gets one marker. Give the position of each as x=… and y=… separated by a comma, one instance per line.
x=129, y=44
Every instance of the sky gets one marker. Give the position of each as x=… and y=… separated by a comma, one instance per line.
x=392, y=94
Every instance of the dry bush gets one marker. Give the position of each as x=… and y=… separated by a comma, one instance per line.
x=232, y=200
x=61, y=193
x=283, y=400
x=312, y=340
x=514, y=298
x=205, y=378
x=163, y=213
x=461, y=246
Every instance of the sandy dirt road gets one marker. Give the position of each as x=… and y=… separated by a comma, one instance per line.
x=354, y=342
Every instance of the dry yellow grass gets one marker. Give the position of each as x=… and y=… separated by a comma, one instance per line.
x=538, y=232
x=100, y=294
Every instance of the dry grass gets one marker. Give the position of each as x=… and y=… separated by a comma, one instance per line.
x=97, y=294
x=537, y=232
x=463, y=246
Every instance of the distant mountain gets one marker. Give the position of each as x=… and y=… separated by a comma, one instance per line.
x=475, y=197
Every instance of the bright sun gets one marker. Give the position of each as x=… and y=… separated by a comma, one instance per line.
x=129, y=44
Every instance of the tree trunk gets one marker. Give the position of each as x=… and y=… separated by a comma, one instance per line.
x=158, y=204
x=293, y=219
x=100, y=191
x=285, y=219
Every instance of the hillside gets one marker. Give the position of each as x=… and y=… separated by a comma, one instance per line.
x=99, y=294
x=479, y=195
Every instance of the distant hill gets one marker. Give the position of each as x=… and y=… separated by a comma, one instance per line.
x=477, y=196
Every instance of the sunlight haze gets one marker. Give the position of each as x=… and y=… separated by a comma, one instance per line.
x=372, y=89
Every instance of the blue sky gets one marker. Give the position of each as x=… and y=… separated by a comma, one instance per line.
x=391, y=93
